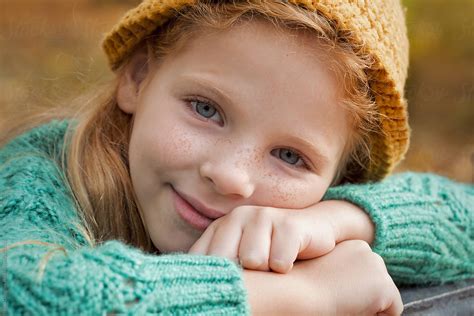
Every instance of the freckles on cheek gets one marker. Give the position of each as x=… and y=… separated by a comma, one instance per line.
x=174, y=147
x=281, y=194
x=292, y=194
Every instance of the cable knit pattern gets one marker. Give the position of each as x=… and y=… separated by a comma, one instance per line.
x=78, y=279
x=424, y=225
x=424, y=232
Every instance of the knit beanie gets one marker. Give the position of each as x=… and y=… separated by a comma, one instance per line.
x=377, y=25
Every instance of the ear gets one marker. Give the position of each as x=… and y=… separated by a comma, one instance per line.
x=131, y=80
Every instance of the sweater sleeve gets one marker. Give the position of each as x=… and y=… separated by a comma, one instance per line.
x=64, y=275
x=424, y=225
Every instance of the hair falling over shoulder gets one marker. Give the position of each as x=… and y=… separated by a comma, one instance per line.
x=97, y=169
x=96, y=160
x=95, y=164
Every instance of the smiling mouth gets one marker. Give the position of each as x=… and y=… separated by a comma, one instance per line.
x=188, y=213
x=200, y=207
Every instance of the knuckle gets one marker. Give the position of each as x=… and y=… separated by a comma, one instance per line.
x=239, y=209
x=213, y=226
x=220, y=226
x=236, y=213
x=379, y=261
x=279, y=265
x=363, y=245
x=254, y=262
x=400, y=307
x=288, y=225
x=220, y=221
x=390, y=298
x=259, y=216
x=378, y=265
x=234, y=218
x=385, y=286
x=246, y=211
x=264, y=212
x=359, y=246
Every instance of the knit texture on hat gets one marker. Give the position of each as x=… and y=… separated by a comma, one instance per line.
x=378, y=26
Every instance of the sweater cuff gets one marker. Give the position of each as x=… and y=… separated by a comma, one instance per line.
x=115, y=278
x=185, y=284
x=368, y=199
x=423, y=225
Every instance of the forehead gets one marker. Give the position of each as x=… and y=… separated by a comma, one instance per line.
x=261, y=53
x=275, y=80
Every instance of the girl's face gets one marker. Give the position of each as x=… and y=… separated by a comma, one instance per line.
x=246, y=116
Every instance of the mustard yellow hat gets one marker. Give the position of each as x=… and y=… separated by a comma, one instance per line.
x=378, y=25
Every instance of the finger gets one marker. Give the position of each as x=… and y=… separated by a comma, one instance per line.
x=226, y=240
x=284, y=249
x=254, y=246
x=316, y=242
x=201, y=245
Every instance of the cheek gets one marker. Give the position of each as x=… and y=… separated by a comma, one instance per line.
x=171, y=147
x=292, y=193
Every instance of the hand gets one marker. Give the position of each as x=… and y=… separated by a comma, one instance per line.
x=350, y=222
x=350, y=280
x=263, y=238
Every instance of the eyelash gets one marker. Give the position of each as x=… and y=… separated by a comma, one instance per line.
x=205, y=101
x=306, y=164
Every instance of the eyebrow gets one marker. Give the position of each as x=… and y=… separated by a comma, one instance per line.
x=211, y=87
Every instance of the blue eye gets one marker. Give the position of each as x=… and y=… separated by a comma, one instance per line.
x=291, y=157
x=205, y=109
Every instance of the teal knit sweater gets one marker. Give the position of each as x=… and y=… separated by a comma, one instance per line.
x=424, y=232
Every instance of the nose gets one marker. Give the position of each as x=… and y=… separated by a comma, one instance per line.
x=227, y=179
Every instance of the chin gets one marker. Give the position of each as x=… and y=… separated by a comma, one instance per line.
x=169, y=233
x=171, y=249
x=174, y=244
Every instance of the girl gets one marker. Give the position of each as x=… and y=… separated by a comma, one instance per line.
x=225, y=127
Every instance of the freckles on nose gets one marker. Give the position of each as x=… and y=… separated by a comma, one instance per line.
x=249, y=158
x=252, y=159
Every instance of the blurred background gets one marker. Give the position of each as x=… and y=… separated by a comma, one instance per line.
x=50, y=53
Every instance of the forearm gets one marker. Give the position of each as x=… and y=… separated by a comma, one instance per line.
x=262, y=290
x=115, y=278
x=273, y=293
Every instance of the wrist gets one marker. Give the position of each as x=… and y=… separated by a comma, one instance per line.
x=349, y=221
x=270, y=293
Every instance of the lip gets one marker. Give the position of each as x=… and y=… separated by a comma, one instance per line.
x=199, y=207
x=189, y=213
